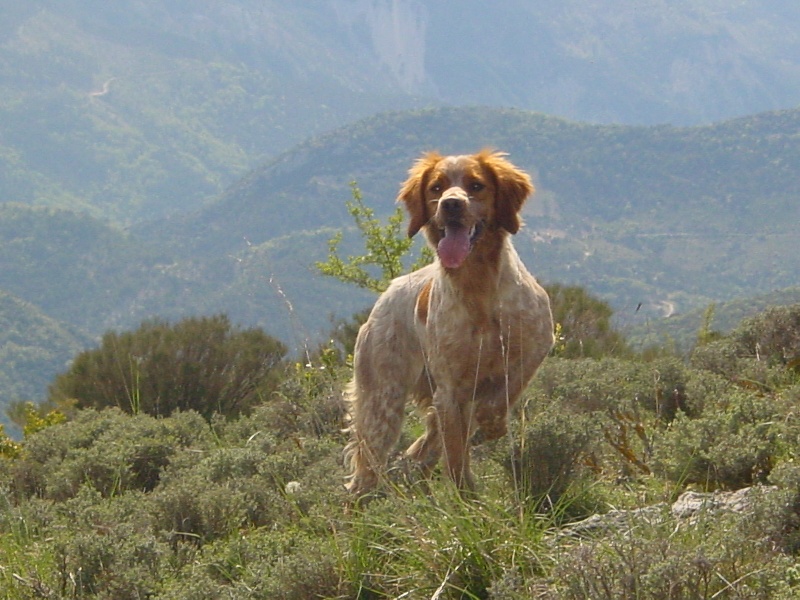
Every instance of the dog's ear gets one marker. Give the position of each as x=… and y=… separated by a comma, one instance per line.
x=513, y=187
x=412, y=193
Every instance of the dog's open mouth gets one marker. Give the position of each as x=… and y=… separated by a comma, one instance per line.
x=456, y=244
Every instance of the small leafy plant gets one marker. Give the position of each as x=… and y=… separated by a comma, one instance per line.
x=385, y=248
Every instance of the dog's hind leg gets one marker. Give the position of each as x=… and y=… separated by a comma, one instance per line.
x=376, y=422
x=387, y=363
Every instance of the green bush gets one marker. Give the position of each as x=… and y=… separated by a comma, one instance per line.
x=105, y=547
x=773, y=335
x=548, y=459
x=190, y=510
x=205, y=497
x=310, y=402
x=611, y=384
x=118, y=564
x=703, y=389
x=763, y=350
x=783, y=528
x=188, y=502
x=733, y=444
x=583, y=323
x=627, y=401
x=662, y=562
x=201, y=364
x=108, y=451
x=263, y=564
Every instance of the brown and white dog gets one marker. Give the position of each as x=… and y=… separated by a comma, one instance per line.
x=462, y=336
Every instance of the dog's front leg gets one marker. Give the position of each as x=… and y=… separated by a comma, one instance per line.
x=427, y=449
x=455, y=419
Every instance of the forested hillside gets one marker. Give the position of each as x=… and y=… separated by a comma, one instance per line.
x=134, y=110
x=657, y=220
x=33, y=347
x=662, y=218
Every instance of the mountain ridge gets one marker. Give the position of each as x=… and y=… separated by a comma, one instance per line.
x=743, y=154
x=202, y=92
x=644, y=217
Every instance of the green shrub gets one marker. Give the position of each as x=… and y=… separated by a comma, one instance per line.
x=187, y=500
x=704, y=561
x=772, y=336
x=784, y=526
x=109, y=451
x=118, y=564
x=202, y=498
x=734, y=443
x=192, y=511
x=583, y=323
x=548, y=459
x=763, y=350
x=704, y=389
x=309, y=403
x=201, y=364
x=263, y=564
x=105, y=547
x=590, y=385
x=719, y=357
x=309, y=569
x=628, y=401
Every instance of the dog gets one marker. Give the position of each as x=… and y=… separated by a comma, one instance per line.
x=461, y=337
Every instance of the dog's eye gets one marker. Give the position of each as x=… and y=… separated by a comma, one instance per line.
x=436, y=188
x=476, y=186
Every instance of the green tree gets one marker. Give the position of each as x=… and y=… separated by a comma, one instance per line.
x=583, y=324
x=385, y=246
x=203, y=364
x=706, y=334
x=772, y=335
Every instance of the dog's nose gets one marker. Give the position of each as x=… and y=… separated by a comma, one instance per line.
x=452, y=206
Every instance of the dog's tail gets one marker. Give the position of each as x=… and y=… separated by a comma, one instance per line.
x=352, y=451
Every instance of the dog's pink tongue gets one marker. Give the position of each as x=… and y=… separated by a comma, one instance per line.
x=453, y=247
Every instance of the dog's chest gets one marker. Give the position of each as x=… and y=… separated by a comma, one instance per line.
x=470, y=337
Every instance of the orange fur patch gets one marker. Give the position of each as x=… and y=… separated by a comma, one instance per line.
x=423, y=302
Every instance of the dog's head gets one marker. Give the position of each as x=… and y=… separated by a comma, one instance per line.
x=457, y=200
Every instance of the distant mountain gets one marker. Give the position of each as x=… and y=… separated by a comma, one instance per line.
x=79, y=270
x=669, y=218
x=621, y=61
x=134, y=110
x=656, y=220
x=137, y=110
x=185, y=157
